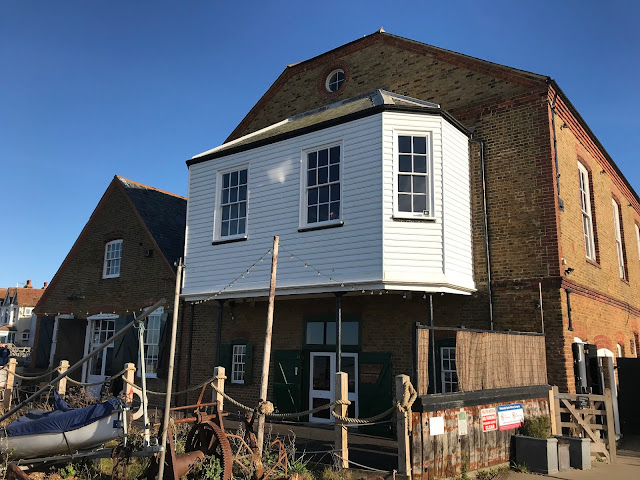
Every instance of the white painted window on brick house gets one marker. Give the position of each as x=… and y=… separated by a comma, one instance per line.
x=238, y=361
x=112, y=259
x=618, y=232
x=152, y=335
x=585, y=205
x=322, y=188
x=231, y=218
x=413, y=179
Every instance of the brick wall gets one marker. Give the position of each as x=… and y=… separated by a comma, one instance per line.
x=414, y=72
x=605, y=308
x=529, y=235
x=78, y=287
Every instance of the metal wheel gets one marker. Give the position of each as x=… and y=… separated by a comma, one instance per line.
x=211, y=440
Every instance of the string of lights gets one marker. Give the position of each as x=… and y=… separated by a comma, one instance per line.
x=246, y=272
x=100, y=312
x=235, y=280
x=293, y=256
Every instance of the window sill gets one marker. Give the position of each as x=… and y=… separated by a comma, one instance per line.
x=593, y=262
x=110, y=276
x=148, y=375
x=397, y=218
x=237, y=383
x=321, y=227
x=230, y=240
x=625, y=281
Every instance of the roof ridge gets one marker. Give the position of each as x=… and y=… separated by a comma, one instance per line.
x=120, y=177
x=383, y=33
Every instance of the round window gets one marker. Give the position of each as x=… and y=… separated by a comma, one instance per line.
x=335, y=80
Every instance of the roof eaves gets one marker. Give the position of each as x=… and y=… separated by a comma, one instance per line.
x=329, y=123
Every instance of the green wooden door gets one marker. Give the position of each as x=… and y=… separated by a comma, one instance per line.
x=375, y=390
x=287, y=391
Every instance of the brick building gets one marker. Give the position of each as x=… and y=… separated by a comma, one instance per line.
x=122, y=262
x=521, y=202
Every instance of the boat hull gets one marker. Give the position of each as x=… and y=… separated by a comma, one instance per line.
x=47, y=444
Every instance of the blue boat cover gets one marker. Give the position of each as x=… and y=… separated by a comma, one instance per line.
x=61, y=419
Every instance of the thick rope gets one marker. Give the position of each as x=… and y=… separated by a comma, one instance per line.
x=31, y=377
x=409, y=397
x=180, y=392
x=106, y=380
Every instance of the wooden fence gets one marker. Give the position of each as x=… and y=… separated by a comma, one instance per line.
x=462, y=431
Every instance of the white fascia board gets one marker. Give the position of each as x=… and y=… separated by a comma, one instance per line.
x=238, y=140
x=332, y=288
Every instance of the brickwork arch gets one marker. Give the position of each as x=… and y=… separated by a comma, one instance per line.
x=603, y=341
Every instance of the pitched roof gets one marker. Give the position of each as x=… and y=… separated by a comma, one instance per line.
x=3, y=293
x=321, y=117
x=163, y=213
x=25, y=297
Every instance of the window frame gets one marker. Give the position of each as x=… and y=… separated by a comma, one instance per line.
x=217, y=228
x=105, y=265
x=637, y=238
x=304, y=198
x=234, y=380
x=158, y=312
x=443, y=381
x=22, y=336
x=617, y=226
x=584, y=185
x=339, y=83
x=430, y=182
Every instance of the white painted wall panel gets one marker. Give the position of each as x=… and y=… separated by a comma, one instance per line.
x=371, y=248
x=458, y=248
x=438, y=250
x=351, y=253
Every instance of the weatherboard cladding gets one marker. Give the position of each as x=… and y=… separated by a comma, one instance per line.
x=370, y=247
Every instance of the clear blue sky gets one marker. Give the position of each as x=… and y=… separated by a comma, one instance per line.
x=90, y=89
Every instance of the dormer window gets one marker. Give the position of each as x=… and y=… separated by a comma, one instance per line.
x=335, y=80
x=112, y=258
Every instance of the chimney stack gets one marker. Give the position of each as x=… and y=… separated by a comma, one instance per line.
x=45, y=285
x=28, y=285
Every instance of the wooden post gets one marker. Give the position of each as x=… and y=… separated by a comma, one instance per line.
x=218, y=382
x=8, y=390
x=402, y=429
x=62, y=384
x=340, y=428
x=552, y=411
x=130, y=378
x=611, y=429
x=266, y=359
x=172, y=354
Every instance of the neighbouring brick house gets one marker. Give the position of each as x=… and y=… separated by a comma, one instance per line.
x=402, y=174
x=122, y=262
x=16, y=309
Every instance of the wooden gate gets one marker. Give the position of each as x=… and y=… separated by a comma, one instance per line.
x=586, y=416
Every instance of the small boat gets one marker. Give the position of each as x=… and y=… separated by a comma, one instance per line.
x=63, y=430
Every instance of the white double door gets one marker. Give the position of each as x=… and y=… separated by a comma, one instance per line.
x=322, y=383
